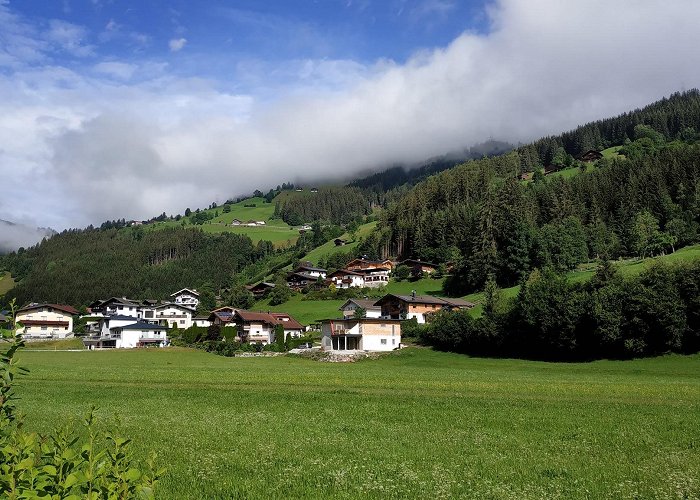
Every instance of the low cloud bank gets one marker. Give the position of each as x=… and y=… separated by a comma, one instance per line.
x=81, y=148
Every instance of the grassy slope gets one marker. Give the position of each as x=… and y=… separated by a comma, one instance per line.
x=275, y=230
x=415, y=424
x=6, y=283
x=329, y=247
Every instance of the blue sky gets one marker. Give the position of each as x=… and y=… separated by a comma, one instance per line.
x=125, y=109
x=226, y=39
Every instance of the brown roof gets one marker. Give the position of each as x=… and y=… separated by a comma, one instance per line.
x=426, y=299
x=66, y=309
x=367, y=304
x=270, y=318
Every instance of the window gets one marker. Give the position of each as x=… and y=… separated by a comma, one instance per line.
x=182, y=321
x=383, y=341
x=393, y=341
x=44, y=327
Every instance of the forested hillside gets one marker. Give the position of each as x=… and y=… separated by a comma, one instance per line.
x=480, y=217
x=77, y=267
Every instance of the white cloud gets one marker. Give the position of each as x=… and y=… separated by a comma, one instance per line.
x=115, y=69
x=81, y=149
x=177, y=44
x=69, y=38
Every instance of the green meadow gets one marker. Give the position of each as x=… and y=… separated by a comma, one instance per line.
x=412, y=424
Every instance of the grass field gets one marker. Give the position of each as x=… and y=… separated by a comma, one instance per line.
x=6, y=283
x=415, y=424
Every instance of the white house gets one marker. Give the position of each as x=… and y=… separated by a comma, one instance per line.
x=186, y=297
x=351, y=305
x=121, y=332
x=366, y=334
x=45, y=321
x=117, y=306
x=347, y=279
x=201, y=321
x=175, y=315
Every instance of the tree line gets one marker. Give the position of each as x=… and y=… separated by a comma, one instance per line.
x=78, y=266
x=611, y=316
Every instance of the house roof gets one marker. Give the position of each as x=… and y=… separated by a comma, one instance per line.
x=367, y=304
x=142, y=325
x=306, y=267
x=262, y=284
x=343, y=272
x=176, y=306
x=305, y=276
x=289, y=323
x=270, y=319
x=425, y=299
x=66, y=309
x=120, y=317
x=188, y=290
x=409, y=262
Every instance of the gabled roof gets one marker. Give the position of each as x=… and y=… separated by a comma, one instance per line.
x=176, y=306
x=269, y=318
x=425, y=299
x=120, y=317
x=142, y=325
x=367, y=304
x=60, y=307
x=289, y=323
x=344, y=272
x=417, y=299
x=305, y=267
x=188, y=290
x=302, y=276
x=120, y=301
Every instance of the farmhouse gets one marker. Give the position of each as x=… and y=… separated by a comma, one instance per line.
x=259, y=327
x=590, y=156
x=174, y=315
x=344, y=278
x=186, y=297
x=363, y=264
x=45, y=320
x=352, y=305
x=222, y=316
x=116, y=305
x=366, y=334
x=304, y=275
x=260, y=289
x=419, y=267
x=417, y=306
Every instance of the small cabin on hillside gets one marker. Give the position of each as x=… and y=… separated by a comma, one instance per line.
x=590, y=156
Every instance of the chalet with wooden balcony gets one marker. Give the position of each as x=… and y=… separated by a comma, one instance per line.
x=417, y=306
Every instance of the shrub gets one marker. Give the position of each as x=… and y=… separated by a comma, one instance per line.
x=64, y=464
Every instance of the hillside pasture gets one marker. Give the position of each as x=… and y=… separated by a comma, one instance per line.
x=413, y=424
x=7, y=283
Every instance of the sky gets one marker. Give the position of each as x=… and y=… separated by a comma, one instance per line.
x=117, y=109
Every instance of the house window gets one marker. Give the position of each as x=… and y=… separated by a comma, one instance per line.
x=44, y=328
x=383, y=341
x=182, y=321
x=393, y=341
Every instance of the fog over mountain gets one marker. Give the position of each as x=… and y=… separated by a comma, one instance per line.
x=14, y=236
x=111, y=138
